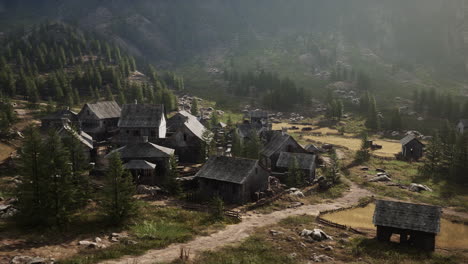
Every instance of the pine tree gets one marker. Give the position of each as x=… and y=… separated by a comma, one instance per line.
x=32, y=192
x=61, y=190
x=373, y=121
x=118, y=203
x=236, y=144
x=252, y=146
x=396, y=122
x=433, y=160
x=194, y=109
x=172, y=185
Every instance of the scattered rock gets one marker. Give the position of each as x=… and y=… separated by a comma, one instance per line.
x=302, y=245
x=364, y=168
x=344, y=240
x=321, y=258
x=290, y=239
x=145, y=189
x=292, y=255
x=380, y=170
x=328, y=248
x=414, y=187
x=295, y=205
x=98, y=240
x=276, y=233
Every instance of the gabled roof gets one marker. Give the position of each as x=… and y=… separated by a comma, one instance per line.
x=189, y=121
x=276, y=143
x=417, y=217
x=228, y=169
x=304, y=161
x=139, y=165
x=408, y=139
x=82, y=136
x=143, y=151
x=141, y=115
x=65, y=113
x=464, y=122
x=312, y=148
x=105, y=110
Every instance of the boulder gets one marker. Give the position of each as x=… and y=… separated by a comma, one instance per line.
x=321, y=258
x=28, y=260
x=88, y=244
x=316, y=234
x=381, y=178
x=363, y=168
x=276, y=233
x=150, y=190
x=414, y=187
x=380, y=170
x=298, y=194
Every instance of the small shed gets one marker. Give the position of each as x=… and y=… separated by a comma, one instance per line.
x=141, y=170
x=417, y=224
x=412, y=148
x=235, y=180
x=306, y=163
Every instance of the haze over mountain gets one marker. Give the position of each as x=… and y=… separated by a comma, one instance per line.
x=416, y=32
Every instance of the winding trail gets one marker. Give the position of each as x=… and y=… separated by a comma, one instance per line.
x=235, y=233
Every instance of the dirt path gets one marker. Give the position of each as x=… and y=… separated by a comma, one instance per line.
x=235, y=233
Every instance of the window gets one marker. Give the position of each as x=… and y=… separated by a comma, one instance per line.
x=136, y=133
x=153, y=134
x=128, y=131
x=185, y=137
x=87, y=112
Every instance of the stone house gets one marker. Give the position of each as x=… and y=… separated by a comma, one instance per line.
x=100, y=119
x=141, y=122
x=235, y=180
x=185, y=135
x=279, y=142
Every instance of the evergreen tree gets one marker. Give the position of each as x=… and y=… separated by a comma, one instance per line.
x=236, y=144
x=296, y=177
x=396, y=122
x=32, y=192
x=172, y=185
x=194, y=109
x=363, y=154
x=252, y=146
x=61, y=190
x=373, y=121
x=433, y=160
x=118, y=203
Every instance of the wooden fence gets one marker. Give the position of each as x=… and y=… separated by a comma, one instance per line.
x=336, y=225
x=204, y=208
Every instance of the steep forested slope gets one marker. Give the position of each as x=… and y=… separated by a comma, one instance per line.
x=408, y=32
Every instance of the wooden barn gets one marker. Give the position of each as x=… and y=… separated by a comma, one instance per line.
x=60, y=118
x=151, y=153
x=235, y=180
x=417, y=224
x=100, y=119
x=412, y=148
x=279, y=142
x=141, y=122
x=306, y=163
x=185, y=135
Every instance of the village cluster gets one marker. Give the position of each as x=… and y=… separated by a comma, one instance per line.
x=146, y=139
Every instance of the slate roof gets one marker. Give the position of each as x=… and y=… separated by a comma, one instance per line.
x=65, y=113
x=106, y=109
x=304, y=160
x=245, y=129
x=141, y=115
x=139, y=165
x=227, y=169
x=408, y=139
x=464, y=122
x=143, y=151
x=191, y=123
x=82, y=136
x=276, y=143
x=417, y=217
